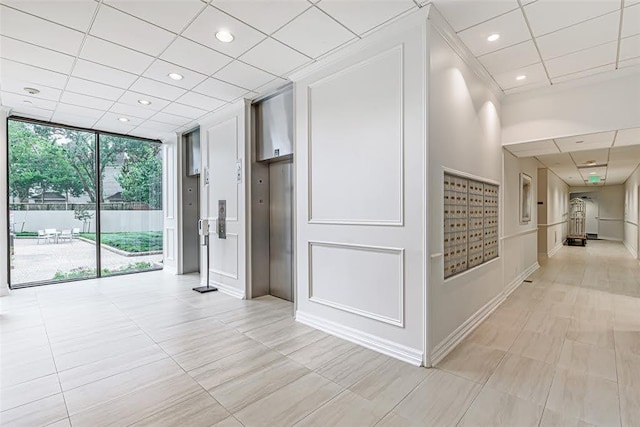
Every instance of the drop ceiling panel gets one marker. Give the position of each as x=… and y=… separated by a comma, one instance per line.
x=243, y=75
x=600, y=156
x=98, y=89
x=76, y=14
x=10, y=70
x=86, y=100
x=583, y=74
x=17, y=87
x=160, y=71
x=156, y=126
x=170, y=119
x=627, y=137
x=72, y=120
x=625, y=155
x=265, y=15
x=195, y=56
x=314, y=33
x=262, y=56
x=511, y=58
x=132, y=98
x=463, y=14
x=107, y=75
x=630, y=47
x=211, y=20
x=583, y=60
x=113, y=55
x=511, y=27
x=157, y=89
x=35, y=55
x=536, y=148
x=546, y=16
x=184, y=111
x=129, y=111
x=110, y=123
x=534, y=75
x=34, y=30
x=582, y=36
x=79, y=111
x=631, y=20
x=200, y=101
x=219, y=89
x=32, y=112
x=28, y=102
x=172, y=15
x=123, y=29
x=590, y=142
x=361, y=19
x=561, y=161
x=586, y=173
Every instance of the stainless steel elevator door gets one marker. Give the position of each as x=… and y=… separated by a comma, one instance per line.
x=281, y=229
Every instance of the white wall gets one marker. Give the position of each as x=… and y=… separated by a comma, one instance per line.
x=609, y=200
x=110, y=221
x=4, y=226
x=168, y=218
x=566, y=110
x=632, y=212
x=360, y=172
x=464, y=136
x=557, y=210
x=223, y=145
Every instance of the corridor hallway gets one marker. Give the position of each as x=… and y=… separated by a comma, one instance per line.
x=146, y=350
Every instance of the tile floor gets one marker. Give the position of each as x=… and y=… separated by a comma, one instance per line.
x=146, y=350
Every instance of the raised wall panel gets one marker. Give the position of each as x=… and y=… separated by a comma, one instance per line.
x=360, y=279
x=224, y=255
x=222, y=170
x=356, y=143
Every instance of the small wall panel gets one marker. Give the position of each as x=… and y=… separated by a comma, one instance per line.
x=224, y=255
x=364, y=280
x=223, y=139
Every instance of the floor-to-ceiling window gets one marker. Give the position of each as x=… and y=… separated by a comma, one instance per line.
x=82, y=204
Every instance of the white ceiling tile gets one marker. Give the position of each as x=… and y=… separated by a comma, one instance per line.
x=535, y=75
x=72, y=120
x=463, y=14
x=184, y=111
x=627, y=137
x=32, y=112
x=587, y=173
x=15, y=99
x=600, y=156
x=633, y=62
x=130, y=111
x=79, y=111
x=313, y=33
x=200, y=101
x=560, y=161
x=584, y=73
x=34, y=30
x=157, y=89
x=219, y=89
x=265, y=15
x=535, y=148
x=631, y=20
x=243, y=75
x=360, y=18
x=630, y=47
x=263, y=55
x=97, y=89
x=511, y=58
x=76, y=14
x=86, y=101
x=172, y=15
x=160, y=71
x=35, y=55
x=195, y=56
x=583, y=60
x=17, y=86
x=132, y=98
x=267, y=88
x=511, y=27
x=629, y=155
x=157, y=126
x=118, y=27
x=204, y=28
x=551, y=15
x=101, y=73
x=113, y=55
x=110, y=123
x=526, y=88
x=170, y=119
x=14, y=70
x=589, y=142
x=582, y=36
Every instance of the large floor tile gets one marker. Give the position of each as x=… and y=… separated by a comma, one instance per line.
x=200, y=410
x=494, y=408
x=542, y=347
x=526, y=378
x=352, y=366
x=39, y=413
x=472, y=361
x=589, y=359
x=27, y=392
x=555, y=419
x=345, y=410
x=549, y=324
x=322, y=351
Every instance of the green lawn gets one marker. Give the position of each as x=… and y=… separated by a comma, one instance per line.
x=143, y=241
x=84, y=272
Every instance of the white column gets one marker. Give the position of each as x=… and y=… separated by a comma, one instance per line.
x=4, y=200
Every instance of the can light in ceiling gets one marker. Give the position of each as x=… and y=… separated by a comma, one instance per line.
x=224, y=36
x=144, y=102
x=175, y=76
x=31, y=90
x=521, y=77
x=493, y=37
x=580, y=142
x=123, y=119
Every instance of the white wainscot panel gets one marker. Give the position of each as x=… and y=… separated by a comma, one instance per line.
x=364, y=280
x=356, y=143
x=224, y=255
x=170, y=238
x=223, y=155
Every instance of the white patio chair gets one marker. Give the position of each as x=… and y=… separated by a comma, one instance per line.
x=51, y=234
x=75, y=233
x=65, y=235
x=41, y=236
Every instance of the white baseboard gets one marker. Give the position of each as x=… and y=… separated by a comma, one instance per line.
x=631, y=249
x=226, y=289
x=389, y=348
x=555, y=250
x=456, y=337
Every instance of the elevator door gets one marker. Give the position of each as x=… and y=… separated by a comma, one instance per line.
x=281, y=229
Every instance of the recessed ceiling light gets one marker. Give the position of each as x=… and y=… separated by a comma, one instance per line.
x=123, y=119
x=175, y=76
x=580, y=142
x=31, y=90
x=224, y=36
x=144, y=102
x=493, y=37
x=522, y=77
x=591, y=162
